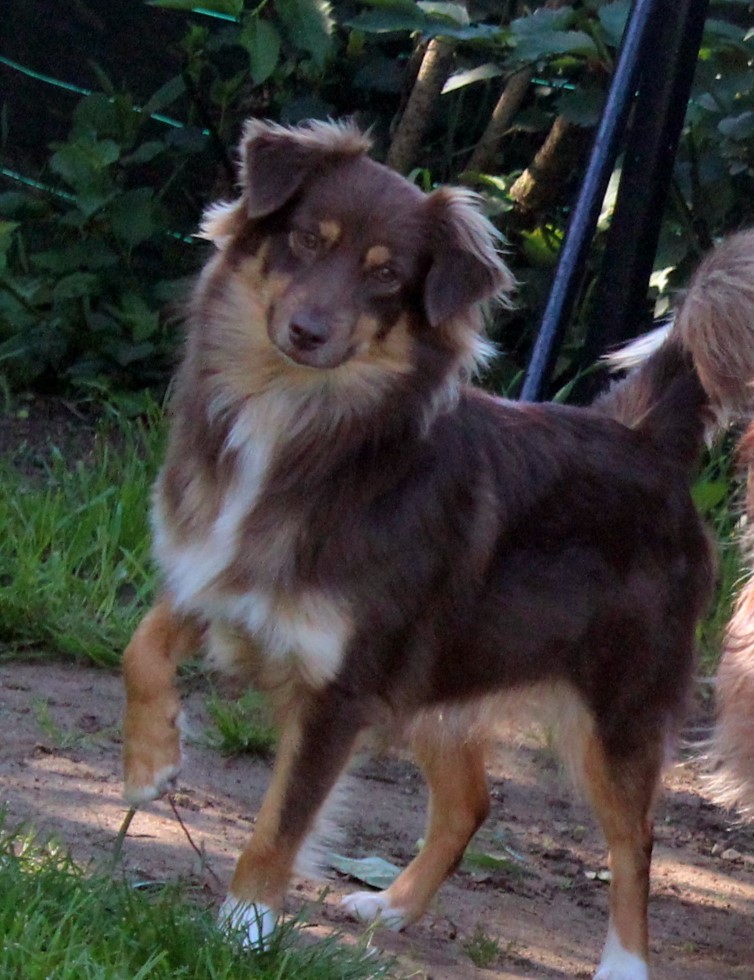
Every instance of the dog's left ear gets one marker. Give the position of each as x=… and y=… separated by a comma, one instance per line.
x=466, y=267
x=277, y=160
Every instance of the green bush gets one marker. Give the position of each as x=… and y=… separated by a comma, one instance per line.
x=87, y=272
x=90, y=270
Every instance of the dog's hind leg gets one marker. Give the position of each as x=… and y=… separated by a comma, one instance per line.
x=151, y=730
x=316, y=742
x=622, y=787
x=458, y=804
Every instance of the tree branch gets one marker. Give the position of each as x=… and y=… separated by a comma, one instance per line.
x=540, y=184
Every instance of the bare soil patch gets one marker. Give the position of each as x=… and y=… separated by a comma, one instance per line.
x=544, y=904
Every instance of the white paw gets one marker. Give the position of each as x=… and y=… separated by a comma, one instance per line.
x=253, y=922
x=618, y=964
x=164, y=782
x=623, y=971
x=368, y=906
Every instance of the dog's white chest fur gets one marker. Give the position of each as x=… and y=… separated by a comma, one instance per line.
x=306, y=627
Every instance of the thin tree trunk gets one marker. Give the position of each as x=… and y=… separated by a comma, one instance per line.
x=502, y=116
x=433, y=73
x=540, y=184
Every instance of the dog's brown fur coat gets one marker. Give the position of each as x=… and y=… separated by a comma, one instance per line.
x=376, y=543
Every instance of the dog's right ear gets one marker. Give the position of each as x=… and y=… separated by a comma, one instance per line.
x=276, y=160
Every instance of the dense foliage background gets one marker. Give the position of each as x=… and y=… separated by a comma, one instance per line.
x=502, y=95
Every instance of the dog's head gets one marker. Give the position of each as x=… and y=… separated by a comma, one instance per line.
x=352, y=261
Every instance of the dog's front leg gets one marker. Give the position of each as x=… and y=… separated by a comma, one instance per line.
x=316, y=742
x=458, y=804
x=151, y=732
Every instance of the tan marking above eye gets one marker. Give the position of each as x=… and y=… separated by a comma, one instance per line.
x=330, y=232
x=376, y=256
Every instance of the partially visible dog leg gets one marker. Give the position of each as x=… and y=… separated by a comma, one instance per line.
x=622, y=791
x=458, y=804
x=151, y=733
x=316, y=741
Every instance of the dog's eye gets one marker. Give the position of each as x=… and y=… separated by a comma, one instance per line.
x=304, y=242
x=385, y=275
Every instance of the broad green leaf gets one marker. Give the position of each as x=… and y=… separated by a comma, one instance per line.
x=165, y=95
x=76, y=285
x=89, y=254
x=543, y=20
x=613, y=17
x=97, y=114
x=126, y=354
x=723, y=30
x=89, y=201
x=609, y=199
x=387, y=21
x=139, y=316
x=545, y=44
x=431, y=19
x=545, y=33
x=262, y=40
x=79, y=161
x=146, y=152
x=7, y=228
x=132, y=215
x=452, y=11
x=481, y=73
x=442, y=27
x=740, y=127
x=223, y=90
x=309, y=25
x=232, y=8
x=396, y=6
x=16, y=204
x=474, y=860
x=374, y=871
x=542, y=246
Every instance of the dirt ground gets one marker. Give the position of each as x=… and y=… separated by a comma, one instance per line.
x=540, y=906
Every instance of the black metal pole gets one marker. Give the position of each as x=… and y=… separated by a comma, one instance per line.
x=620, y=307
x=636, y=38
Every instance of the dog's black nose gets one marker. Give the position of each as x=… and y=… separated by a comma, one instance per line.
x=307, y=331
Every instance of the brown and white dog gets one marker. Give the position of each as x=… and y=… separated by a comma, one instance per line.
x=374, y=542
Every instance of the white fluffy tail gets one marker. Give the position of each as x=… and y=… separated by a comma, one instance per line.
x=637, y=351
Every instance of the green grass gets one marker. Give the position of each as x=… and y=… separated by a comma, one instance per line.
x=74, y=550
x=241, y=727
x=59, y=923
x=482, y=950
